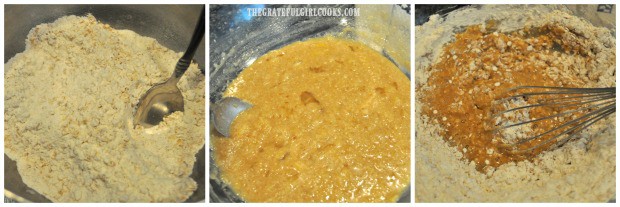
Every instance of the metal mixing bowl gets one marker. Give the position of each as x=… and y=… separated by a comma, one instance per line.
x=237, y=39
x=170, y=25
x=600, y=15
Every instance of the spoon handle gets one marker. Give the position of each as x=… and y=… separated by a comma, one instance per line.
x=186, y=59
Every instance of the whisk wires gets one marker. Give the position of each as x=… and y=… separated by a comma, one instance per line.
x=540, y=117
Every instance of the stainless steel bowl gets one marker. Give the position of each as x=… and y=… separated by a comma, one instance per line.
x=170, y=25
x=237, y=39
x=600, y=15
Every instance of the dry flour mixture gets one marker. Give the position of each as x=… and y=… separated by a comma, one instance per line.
x=478, y=52
x=69, y=102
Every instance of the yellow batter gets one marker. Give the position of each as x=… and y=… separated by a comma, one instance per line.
x=330, y=123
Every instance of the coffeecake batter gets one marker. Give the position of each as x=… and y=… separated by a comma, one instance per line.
x=330, y=123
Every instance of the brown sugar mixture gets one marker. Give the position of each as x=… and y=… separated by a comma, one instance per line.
x=479, y=66
x=330, y=122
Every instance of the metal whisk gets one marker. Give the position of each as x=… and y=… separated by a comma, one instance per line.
x=530, y=117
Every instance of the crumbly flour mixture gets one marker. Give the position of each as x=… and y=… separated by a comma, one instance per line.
x=579, y=171
x=69, y=101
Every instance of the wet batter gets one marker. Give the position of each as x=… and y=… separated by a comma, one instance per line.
x=330, y=123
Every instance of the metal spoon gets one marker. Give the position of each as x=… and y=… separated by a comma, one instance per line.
x=225, y=111
x=165, y=98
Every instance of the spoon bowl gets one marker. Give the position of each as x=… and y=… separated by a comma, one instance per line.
x=225, y=111
x=159, y=101
x=165, y=98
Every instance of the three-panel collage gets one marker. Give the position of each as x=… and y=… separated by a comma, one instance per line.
x=437, y=104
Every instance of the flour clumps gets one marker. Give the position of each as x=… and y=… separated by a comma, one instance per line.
x=69, y=102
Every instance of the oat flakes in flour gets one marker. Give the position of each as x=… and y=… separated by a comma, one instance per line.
x=69, y=101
